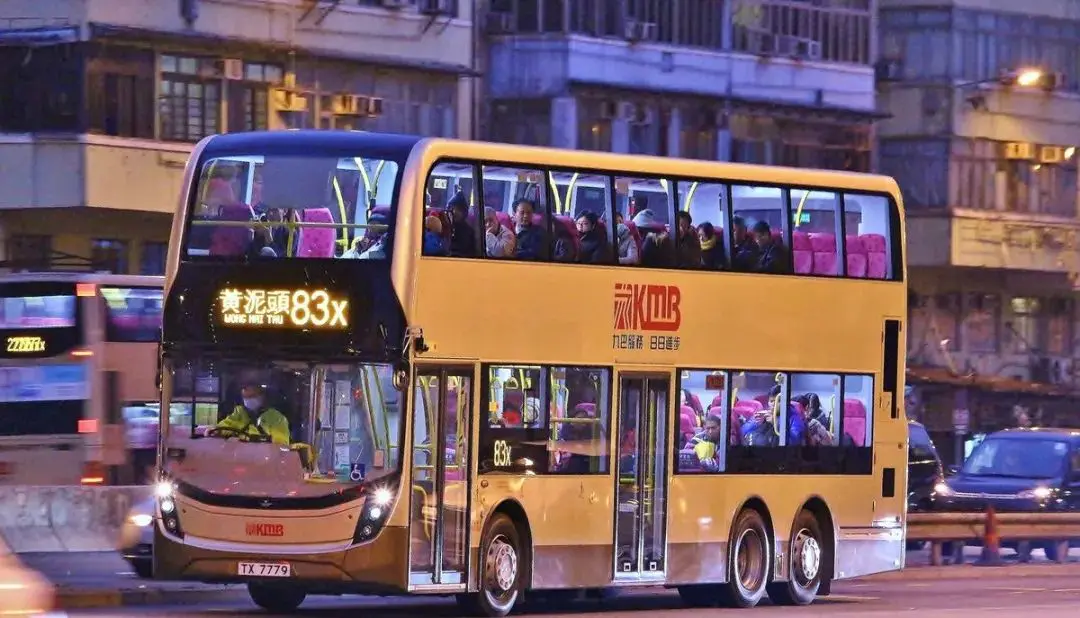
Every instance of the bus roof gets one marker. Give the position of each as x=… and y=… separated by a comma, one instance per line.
x=74, y=277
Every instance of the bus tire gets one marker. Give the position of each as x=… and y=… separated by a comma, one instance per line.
x=502, y=561
x=806, y=559
x=749, y=557
x=276, y=599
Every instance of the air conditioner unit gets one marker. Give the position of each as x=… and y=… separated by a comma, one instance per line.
x=374, y=107
x=1051, y=154
x=1019, y=150
x=349, y=105
x=639, y=31
x=232, y=68
x=396, y=4
x=807, y=49
x=286, y=100
x=499, y=23
x=437, y=8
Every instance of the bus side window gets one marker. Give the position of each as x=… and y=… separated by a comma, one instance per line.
x=857, y=421
x=759, y=211
x=868, y=238
x=815, y=219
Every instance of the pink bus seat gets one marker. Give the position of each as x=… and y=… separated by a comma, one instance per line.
x=564, y=228
x=381, y=210
x=232, y=241
x=803, y=253
x=635, y=234
x=717, y=402
x=696, y=403
x=588, y=409
x=687, y=428
x=763, y=399
x=745, y=408
x=824, y=253
x=505, y=220
x=316, y=242
x=854, y=421
x=856, y=256
x=877, y=266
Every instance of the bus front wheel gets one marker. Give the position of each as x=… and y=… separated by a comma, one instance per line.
x=748, y=561
x=278, y=600
x=806, y=556
x=503, y=560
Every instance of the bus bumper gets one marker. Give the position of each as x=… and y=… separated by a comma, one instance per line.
x=377, y=567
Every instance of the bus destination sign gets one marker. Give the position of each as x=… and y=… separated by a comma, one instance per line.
x=282, y=308
x=25, y=344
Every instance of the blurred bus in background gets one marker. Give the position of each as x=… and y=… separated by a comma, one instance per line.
x=78, y=363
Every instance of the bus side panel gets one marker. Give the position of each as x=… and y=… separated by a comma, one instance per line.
x=570, y=520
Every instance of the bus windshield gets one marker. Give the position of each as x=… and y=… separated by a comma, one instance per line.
x=292, y=207
x=277, y=428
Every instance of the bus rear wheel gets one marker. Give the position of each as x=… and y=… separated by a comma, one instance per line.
x=502, y=563
x=806, y=556
x=748, y=561
x=279, y=600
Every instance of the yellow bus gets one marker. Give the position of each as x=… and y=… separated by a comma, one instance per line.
x=446, y=367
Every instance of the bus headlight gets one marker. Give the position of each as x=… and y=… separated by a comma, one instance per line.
x=377, y=505
x=165, y=492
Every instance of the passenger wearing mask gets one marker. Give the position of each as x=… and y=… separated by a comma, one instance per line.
x=712, y=247
x=462, y=235
x=530, y=238
x=744, y=255
x=254, y=418
x=434, y=241
x=594, y=240
x=774, y=257
x=708, y=445
x=628, y=250
x=372, y=245
x=687, y=245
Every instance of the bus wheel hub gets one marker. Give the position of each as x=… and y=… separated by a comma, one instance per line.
x=502, y=560
x=807, y=555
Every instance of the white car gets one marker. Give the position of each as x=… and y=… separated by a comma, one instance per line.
x=23, y=591
x=136, y=542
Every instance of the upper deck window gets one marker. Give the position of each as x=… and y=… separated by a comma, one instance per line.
x=292, y=207
x=22, y=312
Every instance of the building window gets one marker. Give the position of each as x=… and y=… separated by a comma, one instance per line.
x=109, y=255
x=1059, y=324
x=793, y=140
x=29, y=251
x=40, y=88
x=190, y=98
x=921, y=168
x=250, y=98
x=1024, y=327
x=120, y=88
x=803, y=30
x=152, y=261
x=982, y=313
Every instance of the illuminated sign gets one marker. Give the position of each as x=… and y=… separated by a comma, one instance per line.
x=282, y=308
x=502, y=457
x=646, y=308
x=265, y=530
x=25, y=345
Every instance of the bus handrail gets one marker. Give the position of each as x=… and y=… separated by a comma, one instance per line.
x=288, y=224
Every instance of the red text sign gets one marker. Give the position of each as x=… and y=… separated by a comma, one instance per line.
x=641, y=307
x=265, y=530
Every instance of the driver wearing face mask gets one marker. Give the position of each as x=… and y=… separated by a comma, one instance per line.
x=255, y=419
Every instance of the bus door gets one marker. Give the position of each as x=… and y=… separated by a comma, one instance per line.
x=439, y=499
x=640, y=534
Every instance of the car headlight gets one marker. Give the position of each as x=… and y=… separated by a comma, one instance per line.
x=943, y=489
x=1038, y=493
x=141, y=520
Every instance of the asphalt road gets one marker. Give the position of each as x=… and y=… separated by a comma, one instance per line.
x=995, y=595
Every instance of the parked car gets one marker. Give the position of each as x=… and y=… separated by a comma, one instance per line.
x=23, y=591
x=1018, y=470
x=136, y=543
x=924, y=473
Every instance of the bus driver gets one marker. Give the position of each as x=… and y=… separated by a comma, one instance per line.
x=254, y=418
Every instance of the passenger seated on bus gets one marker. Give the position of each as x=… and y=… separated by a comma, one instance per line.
x=565, y=249
x=707, y=445
x=253, y=418
x=595, y=248
x=498, y=239
x=774, y=256
x=530, y=238
x=628, y=252
x=712, y=247
x=462, y=235
x=511, y=417
x=687, y=244
x=434, y=243
x=372, y=244
x=658, y=250
x=272, y=241
x=796, y=424
x=744, y=255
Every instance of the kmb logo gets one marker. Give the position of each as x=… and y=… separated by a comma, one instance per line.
x=265, y=530
x=647, y=307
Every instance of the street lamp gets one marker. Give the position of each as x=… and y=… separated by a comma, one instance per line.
x=1025, y=78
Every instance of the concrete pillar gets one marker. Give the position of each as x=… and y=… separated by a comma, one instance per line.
x=723, y=144
x=564, y=122
x=674, y=133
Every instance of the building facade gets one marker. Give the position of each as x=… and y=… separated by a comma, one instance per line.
x=780, y=82
x=984, y=100
x=101, y=101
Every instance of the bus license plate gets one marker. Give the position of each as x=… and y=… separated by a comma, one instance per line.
x=265, y=569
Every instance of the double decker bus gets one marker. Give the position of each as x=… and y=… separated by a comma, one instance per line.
x=509, y=369
x=79, y=354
